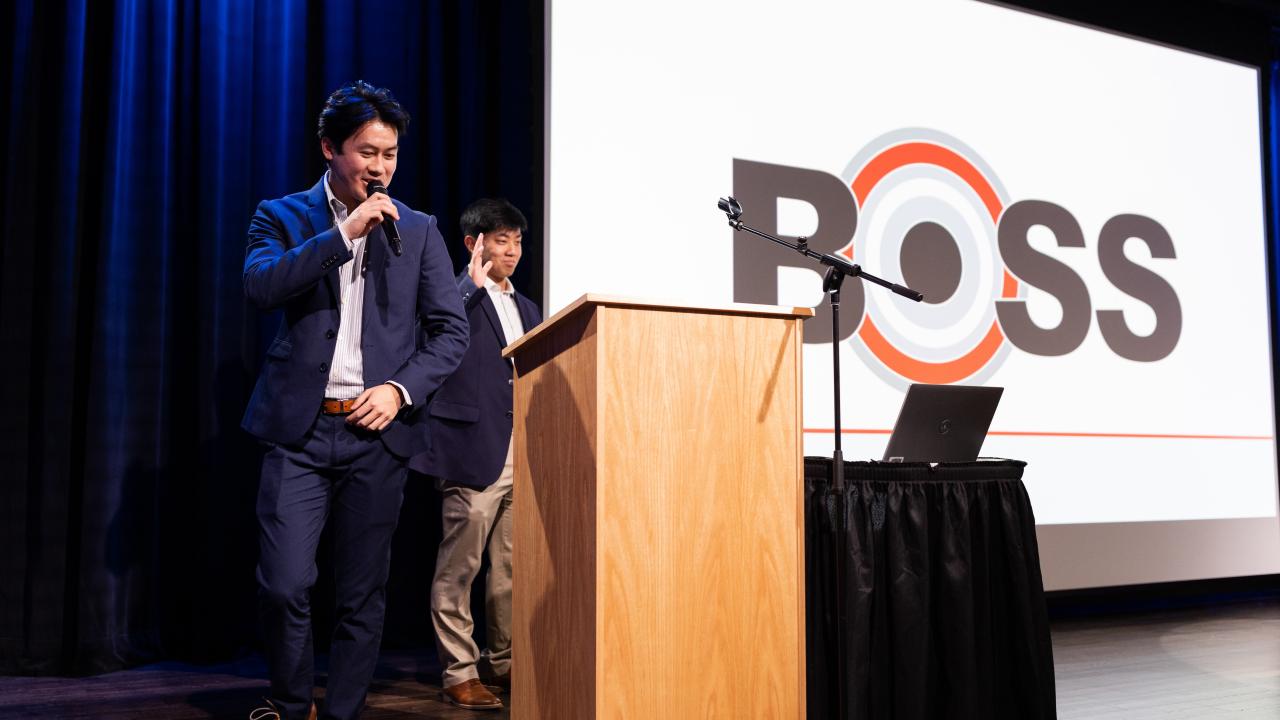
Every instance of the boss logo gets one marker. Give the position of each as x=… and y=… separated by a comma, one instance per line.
x=919, y=207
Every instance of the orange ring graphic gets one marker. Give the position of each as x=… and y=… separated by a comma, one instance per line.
x=893, y=358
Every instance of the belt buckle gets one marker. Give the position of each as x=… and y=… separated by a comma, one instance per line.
x=333, y=406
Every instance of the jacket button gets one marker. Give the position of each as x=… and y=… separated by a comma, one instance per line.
x=330, y=334
x=324, y=367
x=510, y=414
x=510, y=381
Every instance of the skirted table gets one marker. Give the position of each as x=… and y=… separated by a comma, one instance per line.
x=924, y=596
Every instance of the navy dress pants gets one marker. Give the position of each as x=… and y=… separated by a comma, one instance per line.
x=342, y=475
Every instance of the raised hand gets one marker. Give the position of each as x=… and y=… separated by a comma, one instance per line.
x=478, y=269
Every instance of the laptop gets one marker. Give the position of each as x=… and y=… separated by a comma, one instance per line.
x=942, y=423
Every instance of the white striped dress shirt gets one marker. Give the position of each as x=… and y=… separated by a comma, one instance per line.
x=346, y=372
x=504, y=300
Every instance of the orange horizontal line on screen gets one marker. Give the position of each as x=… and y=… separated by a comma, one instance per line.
x=1021, y=433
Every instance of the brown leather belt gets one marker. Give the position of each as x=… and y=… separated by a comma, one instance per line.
x=329, y=406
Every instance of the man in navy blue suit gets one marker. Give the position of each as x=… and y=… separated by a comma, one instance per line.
x=469, y=422
x=371, y=329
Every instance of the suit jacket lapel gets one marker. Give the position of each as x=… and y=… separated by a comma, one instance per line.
x=526, y=315
x=481, y=298
x=321, y=219
x=375, y=279
x=491, y=312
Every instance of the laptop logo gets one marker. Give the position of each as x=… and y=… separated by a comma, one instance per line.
x=942, y=423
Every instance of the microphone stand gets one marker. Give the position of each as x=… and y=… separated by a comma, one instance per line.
x=838, y=269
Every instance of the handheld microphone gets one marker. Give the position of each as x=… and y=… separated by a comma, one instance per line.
x=388, y=225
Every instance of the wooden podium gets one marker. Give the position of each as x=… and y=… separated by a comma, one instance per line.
x=659, y=547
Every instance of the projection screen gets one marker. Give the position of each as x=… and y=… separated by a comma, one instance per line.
x=1083, y=211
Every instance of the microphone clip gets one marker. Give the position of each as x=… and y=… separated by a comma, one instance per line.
x=732, y=208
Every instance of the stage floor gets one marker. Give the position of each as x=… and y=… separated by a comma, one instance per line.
x=1202, y=664
x=405, y=686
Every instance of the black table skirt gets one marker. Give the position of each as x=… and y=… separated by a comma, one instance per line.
x=924, y=594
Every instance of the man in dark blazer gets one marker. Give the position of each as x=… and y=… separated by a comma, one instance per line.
x=371, y=329
x=469, y=423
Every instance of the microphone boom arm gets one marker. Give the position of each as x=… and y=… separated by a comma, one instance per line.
x=838, y=269
x=734, y=211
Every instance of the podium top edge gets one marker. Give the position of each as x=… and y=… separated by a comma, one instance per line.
x=599, y=300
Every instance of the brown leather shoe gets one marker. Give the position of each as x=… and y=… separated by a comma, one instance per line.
x=471, y=695
x=269, y=712
x=498, y=683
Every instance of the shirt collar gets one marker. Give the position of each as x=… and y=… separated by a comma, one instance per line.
x=493, y=287
x=335, y=205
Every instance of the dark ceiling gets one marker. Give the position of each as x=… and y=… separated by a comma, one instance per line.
x=1240, y=30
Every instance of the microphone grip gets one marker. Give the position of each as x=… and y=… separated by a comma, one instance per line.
x=393, y=234
x=388, y=225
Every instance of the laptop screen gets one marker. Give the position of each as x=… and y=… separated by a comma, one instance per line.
x=942, y=423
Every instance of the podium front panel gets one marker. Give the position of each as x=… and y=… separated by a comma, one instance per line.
x=659, y=516
x=701, y=515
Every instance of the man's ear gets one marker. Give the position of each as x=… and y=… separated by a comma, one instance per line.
x=326, y=147
x=470, y=242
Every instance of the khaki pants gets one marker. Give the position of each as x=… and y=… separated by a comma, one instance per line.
x=473, y=518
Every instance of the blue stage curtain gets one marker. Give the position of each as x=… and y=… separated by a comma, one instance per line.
x=139, y=137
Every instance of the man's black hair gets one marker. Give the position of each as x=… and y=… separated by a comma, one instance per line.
x=353, y=105
x=488, y=215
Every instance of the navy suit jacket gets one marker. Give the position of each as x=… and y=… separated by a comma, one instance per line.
x=413, y=330
x=469, y=421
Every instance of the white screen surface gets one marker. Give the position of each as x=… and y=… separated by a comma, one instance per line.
x=651, y=108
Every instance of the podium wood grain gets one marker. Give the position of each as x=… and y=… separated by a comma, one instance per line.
x=659, y=511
